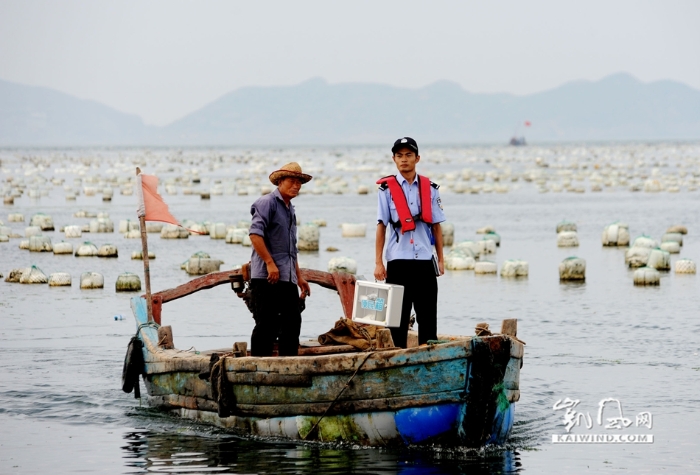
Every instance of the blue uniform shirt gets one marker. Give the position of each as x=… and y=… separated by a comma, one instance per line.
x=421, y=248
x=277, y=224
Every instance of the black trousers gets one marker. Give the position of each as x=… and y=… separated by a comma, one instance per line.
x=420, y=292
x=277, y=318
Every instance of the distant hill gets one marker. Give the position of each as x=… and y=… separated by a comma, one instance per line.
x=618, y=107
x=39, y=116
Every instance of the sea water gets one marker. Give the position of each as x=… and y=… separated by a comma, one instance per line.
x=62, y=349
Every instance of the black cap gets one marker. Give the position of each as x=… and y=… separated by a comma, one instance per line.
x=405, y=142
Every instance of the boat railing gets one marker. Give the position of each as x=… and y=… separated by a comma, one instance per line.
x=342, y=282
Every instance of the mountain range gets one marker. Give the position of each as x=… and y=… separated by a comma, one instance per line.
x=615, y=108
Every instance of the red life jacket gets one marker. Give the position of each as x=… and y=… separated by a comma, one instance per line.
x=408, y=222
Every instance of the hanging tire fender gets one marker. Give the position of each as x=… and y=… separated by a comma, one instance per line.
x=133, y=366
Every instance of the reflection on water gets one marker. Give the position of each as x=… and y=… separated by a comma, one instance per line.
x=168, y=452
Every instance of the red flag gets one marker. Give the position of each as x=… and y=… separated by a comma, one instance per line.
x=527, y=123
x=151, y=204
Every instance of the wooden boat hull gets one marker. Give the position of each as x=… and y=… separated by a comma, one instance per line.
x=461, y=392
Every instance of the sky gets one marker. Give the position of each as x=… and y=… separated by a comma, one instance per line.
x=164, y=59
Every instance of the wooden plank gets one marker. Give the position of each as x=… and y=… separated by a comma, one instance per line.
x=347, y=363
x=509, y=326
x=393, y=382
x=165, y=337
x=324, y=279
x=195, y=285
x=309, y=409
x=517, y=349
x=270, y=379
x=513, y=395
x=511, y=378
x=384, y=339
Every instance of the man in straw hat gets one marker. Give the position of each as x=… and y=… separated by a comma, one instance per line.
x=274, y=268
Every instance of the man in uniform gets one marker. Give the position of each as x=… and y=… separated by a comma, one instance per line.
x=410, y=206
x=274, y=268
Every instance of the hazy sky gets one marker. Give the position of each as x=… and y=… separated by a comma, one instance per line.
x=164, y=59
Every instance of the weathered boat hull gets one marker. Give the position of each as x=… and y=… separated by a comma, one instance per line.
x=458, y=393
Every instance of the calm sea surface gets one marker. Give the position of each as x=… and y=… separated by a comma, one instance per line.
x=61, y=349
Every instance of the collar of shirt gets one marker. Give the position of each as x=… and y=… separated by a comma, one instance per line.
x=278, y=195
x=400, y=178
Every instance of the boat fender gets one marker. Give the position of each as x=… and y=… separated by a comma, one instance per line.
x=222, y=389
x=133, y=367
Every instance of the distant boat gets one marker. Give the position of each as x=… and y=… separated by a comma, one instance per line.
x=461, y=390
x=517, y=141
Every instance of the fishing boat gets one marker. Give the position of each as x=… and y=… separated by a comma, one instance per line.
x=457, y=390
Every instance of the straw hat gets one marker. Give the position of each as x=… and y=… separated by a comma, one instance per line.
x=291, y=169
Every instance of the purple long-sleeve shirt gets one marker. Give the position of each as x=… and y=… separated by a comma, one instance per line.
x=277, y=224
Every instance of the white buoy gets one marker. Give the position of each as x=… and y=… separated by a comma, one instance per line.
x=659, y=259
x=308, y=237
x=647, y=276
x=172, y=231
x=199, y=229
x=63, y=248
x=108, y=250
x=685, y=266
x=459, y=259
x=200, y=265
x=645, y=241
x=448, y=233
x=672, y=237
x=154, y=227
x=671, y=247
x=92, y=280
x=471, y=247
x=485, y=267
x=5, y=230
x=486, y=230
x=128, y=282
x=354, y=229
x=32, y=231
x=86, y=249
x=236, y=236
x=44, y=221
x=217, y=231
x=72, y=231
x=4, y=238
x=495, y=237
x=616, y=234
x=321, y=223
x=138, y=255
x=126, y=225
x=487, y=246
x=60, y=279
x=15, y=218
x=33, y=275
x=101, y=225
x=362, y=190
x=342, y=264
x=40, y=244
x=566, y=226
x=15, y=275
x=515, y=268
x=567, y=239
x=637, y=256
x=246, y=242
x=677, y=228
x=134, y=234
x=572, y=268
x=24, y=244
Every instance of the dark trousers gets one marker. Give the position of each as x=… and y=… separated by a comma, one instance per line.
x=420, y=291
x=277, y=318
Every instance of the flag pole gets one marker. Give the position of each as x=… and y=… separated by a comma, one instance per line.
x=144, y=246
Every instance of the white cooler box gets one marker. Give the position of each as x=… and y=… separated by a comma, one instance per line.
x=377, y=304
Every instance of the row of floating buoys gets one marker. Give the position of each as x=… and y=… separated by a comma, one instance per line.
x=126, y=282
